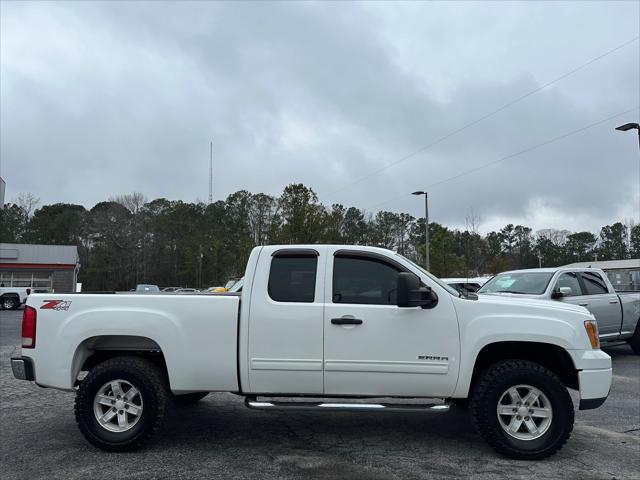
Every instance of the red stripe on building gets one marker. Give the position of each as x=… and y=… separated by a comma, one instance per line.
x=40, y=266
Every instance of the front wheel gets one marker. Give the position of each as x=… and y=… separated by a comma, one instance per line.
x=522, y=410
x=121, y=403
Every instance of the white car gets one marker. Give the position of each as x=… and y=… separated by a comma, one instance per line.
x=466, y=285
x=323, y=321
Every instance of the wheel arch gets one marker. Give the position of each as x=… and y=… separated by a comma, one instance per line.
x=549, y=355
x=97, y=349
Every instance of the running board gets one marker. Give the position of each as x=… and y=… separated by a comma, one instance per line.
x=255, y=404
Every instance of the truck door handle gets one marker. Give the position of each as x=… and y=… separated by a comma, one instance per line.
x=583, y=304
x=613, y=301
x=346, y=321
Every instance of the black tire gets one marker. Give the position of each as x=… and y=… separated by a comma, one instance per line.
x=460, y=403
x=9, y=302
x=490, y=387
x=188, y=398
x=634, y=341
x=152, y=385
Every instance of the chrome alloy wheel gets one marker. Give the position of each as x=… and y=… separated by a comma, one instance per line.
x=524, y=412
x=117, y=406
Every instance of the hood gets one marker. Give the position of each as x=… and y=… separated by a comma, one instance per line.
x=531, y=301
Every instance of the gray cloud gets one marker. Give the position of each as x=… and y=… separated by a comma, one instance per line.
x=107, y=98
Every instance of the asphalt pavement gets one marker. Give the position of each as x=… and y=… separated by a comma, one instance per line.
x=220, y=438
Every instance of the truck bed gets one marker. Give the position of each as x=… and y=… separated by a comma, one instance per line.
x=197, y=334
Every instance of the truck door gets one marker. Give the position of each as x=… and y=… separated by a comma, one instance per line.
x=373, y=347
x=285, y=322
x=605, y=306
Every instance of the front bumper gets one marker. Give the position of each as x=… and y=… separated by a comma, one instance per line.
x=22, y=368
x=594, y=387
x=594, y=376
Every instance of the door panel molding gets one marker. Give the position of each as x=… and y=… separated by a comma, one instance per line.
x=379, y=366
x=291, y=364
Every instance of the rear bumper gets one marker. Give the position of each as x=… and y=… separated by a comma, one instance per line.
x=22, y=368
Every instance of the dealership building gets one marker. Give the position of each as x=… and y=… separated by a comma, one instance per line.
x=51, y=268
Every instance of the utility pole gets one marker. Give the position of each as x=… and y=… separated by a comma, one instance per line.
x=199, y=282
x=426, y=227
x=210, y=172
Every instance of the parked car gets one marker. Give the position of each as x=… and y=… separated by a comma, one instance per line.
x=170, y=289
x=12, y=297
x=466, y=285
x=226, y=288
x=237, y=286
x=617, y=314
x=345, y=322
x=145, y=288
x=234, y=286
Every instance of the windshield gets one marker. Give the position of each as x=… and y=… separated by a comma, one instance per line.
x=532, y=283
x=448, y=288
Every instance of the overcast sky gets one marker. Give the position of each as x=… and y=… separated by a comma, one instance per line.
x=100, y=99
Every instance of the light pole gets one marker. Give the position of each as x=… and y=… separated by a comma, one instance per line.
x=426, y=227
x=630, y=126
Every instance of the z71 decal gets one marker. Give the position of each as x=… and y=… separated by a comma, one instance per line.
x=55, y=305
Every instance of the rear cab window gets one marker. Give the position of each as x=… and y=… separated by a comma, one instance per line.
x=292, y=277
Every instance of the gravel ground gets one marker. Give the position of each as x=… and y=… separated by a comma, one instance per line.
x=220, y=438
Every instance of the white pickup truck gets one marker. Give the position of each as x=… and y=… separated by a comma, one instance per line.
x=12, y=297
x=320, y=327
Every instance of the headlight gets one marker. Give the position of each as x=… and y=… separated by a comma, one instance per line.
x=592, y=332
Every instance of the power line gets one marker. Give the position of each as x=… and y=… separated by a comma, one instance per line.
x=507, y=157
x=484, y=117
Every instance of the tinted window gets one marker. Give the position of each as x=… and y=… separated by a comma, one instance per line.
x=569, y=279
x=364, y=281
x=594, y=283
x=293, y=279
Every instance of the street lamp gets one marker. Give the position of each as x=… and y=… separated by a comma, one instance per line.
x=426, y=227
x=630, y=126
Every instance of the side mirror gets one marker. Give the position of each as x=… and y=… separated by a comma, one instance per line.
x=411, y=294
x=562, y=292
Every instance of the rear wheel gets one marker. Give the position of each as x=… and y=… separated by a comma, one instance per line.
x=522, y=410
x=189, y=398
x=634, y=341
x=121, y=403
x=9, y=302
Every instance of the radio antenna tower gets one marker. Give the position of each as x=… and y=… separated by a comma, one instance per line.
x=210, y=172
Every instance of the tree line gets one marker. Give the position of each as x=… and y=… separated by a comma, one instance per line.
x=128, y=240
